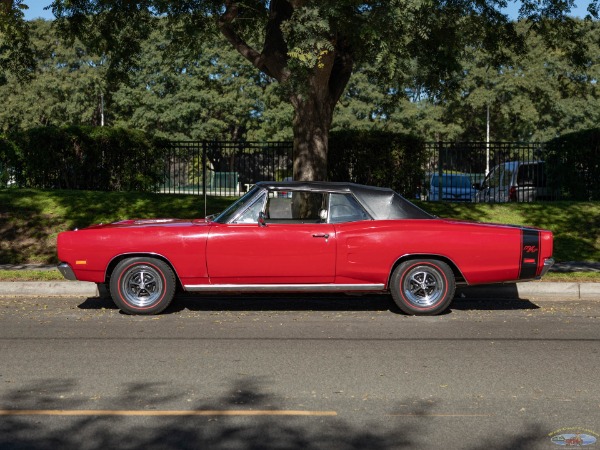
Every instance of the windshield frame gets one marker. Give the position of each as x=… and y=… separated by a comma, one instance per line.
x=237, y=207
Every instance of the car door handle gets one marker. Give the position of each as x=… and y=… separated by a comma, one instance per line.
x=324, y=236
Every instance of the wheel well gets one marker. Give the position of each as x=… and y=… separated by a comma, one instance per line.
x=117, y=259
x=458, y=276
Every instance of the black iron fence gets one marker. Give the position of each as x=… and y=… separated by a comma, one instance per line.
x=488, y=172
x=472, y=171
x=469, y=171
x=224, y=168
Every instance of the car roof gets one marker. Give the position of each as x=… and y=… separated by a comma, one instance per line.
x=329, y=186
x=380, y=203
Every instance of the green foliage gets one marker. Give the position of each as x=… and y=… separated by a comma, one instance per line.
x=16, y=57
x=88, y=158
x=30, y=219
x=377, y=158
x=217, y=95
x=9, y=153
x=575, y=225
x=534, y=96
x=574, y=160
x=64, y=90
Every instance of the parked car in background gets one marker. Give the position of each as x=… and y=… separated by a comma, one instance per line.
x=515, y=181
x=324, y=237
x=455, y=187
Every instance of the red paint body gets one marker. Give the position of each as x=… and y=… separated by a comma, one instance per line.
x=209, y=253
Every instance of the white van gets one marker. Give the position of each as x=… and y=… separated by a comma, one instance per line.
x=515, y=181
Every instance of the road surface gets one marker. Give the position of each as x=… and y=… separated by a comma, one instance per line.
x=297, y=372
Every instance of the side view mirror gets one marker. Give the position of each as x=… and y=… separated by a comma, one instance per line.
x=261, y=219
x=477, y=186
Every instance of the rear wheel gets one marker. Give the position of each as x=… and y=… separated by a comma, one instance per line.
x=142, y=285
x=422, y=287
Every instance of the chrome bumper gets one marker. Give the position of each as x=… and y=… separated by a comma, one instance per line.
x=66, y=271
x=549, y=262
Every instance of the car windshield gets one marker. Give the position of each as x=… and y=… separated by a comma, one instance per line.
x=226, y=215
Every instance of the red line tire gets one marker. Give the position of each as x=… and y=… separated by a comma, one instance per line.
x=423, y=287
x=142, y=285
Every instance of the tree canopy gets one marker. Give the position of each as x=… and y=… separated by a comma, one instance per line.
x=219, y=95
x=418, y=62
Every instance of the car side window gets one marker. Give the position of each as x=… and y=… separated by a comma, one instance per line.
x=295, y=207
x=345, y=208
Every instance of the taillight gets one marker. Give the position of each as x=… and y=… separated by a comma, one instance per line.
x=512, y=194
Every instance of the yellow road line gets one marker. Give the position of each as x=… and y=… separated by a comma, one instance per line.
x=110, y=412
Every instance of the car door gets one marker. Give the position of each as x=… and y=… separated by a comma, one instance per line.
x=290, y=247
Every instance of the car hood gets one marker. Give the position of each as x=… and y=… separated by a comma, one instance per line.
x=144, y=223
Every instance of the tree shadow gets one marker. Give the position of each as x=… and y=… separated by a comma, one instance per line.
x=578, y=240
x=343, y=431
x=30, y=219
x=187, y=432
x=26, y=233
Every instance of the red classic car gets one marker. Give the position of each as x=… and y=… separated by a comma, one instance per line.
x=304, y=237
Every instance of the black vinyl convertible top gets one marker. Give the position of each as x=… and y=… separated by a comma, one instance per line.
x=380, y=203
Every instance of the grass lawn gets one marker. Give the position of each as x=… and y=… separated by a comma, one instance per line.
x=30, y=219
x=576, y=225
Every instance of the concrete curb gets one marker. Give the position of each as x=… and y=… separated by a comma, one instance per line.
x=49, y=288
x=537, y=290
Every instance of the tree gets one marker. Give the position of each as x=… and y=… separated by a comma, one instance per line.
x=214, y=94
x=16, y=57
x=63, y=89
x=539, y=95
x=312, y=47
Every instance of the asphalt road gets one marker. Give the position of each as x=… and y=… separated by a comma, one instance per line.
x=297, y=372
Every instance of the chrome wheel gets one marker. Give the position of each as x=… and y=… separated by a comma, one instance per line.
x=423, y=286
x=142, y=286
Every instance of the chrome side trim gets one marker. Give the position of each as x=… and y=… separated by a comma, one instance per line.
x=67, y=272
x=284, y=287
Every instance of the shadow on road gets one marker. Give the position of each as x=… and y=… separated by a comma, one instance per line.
x=308, y=302
x=409, y=424
x=487, y=304
x=185, y=432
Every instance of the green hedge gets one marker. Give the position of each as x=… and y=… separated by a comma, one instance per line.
x=91, y=158
x=377, y=158
x=573, y=162
x=8, y=153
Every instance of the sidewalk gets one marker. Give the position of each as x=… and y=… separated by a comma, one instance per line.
x=534, y=289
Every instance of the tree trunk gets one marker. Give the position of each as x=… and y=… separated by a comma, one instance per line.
x=313, y=112
x=312, y=120
x=320, y=89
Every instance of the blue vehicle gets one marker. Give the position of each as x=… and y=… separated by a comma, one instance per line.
x=454, y=187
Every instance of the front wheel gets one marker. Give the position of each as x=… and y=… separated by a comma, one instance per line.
x=422, y=287
x=142, y=285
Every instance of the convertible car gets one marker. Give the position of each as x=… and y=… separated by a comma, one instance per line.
x=304, y=237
